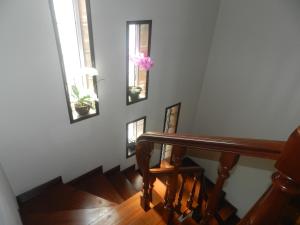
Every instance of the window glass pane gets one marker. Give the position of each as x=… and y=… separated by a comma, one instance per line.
x=132, y=51
x=134, y=130
x=138, y=45
x=170, y=127
x=144, y=35
x=140, y=128
x=68, y=38
x=72, y=25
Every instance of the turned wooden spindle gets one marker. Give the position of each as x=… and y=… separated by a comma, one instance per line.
x=285, y=185
x=227, y=161
x=180, y=195
x=151, y=185
x=190, y=201
x=202, y=196
x=143, y=155
x=178, y=153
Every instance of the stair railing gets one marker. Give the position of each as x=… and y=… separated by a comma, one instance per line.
x=267, y=210
x=171, y=203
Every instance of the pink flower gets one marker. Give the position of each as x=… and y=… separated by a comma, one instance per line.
x=143, y=62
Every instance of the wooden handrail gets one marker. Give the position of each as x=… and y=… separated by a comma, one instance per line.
x=248, y=147
x=267, y=211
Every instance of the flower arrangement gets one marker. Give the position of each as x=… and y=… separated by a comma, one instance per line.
x=142, y=61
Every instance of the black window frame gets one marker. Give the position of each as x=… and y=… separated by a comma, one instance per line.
x=60, y=54
x=138, y=22
x=166, y=114
x=128, y=145
x=165, y=120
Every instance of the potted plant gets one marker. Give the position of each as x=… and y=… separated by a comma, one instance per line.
x=82, y=102
x=134, y=92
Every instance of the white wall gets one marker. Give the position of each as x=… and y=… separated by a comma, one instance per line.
x=37, y=141
x=251, y=85
x=9, y=214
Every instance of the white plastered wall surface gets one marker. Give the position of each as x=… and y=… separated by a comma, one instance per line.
x=251, y=87
x=9, y=213
x=37, y=141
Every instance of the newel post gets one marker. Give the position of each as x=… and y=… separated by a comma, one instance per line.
x=285, y=185
x=227, y=162
x=143, y=155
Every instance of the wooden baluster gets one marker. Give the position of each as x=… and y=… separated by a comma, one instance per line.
x=170, y=196
x=178, y=205
x=202, y=191
x=143, y=155
x=192, y=194
x=227, y=162
x=285, y=185
x=197, y=214
x=177, y=154
x=151, y=185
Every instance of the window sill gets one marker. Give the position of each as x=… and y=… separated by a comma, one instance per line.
x=129, y=102
x=76, y=117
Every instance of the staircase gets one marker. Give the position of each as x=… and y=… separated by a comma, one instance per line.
x=175, y=192
x=104, y=198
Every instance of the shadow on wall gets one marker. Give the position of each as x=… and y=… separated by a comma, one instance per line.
x=251, y=162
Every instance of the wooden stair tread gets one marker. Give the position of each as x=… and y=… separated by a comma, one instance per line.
x=226, y=211
x=68, y=217
x=134, y=177
x=157, y=216
x=123, y=214
x=122, y=185
x=63, y=197
x=99, y=185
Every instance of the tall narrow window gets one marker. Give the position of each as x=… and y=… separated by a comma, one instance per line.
x=138, y=45
x=133, y=130
x=72, y=25
x=170, y=127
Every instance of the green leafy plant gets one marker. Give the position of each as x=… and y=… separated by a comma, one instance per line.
x=134, y=92
x=82, y=100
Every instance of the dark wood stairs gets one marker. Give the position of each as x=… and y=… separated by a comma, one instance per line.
x=100, y=198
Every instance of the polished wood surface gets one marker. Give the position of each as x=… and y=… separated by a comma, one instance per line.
x=122, y=185
x=63, y=197
x=125, y=213
x=134, y=177
x=21, y=199
x=249, y=147
x=77, y=204
x=98, y=185
x=67, y=217
x=289, y=161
